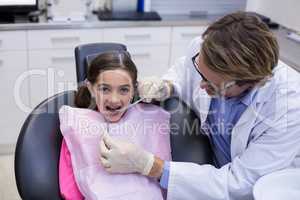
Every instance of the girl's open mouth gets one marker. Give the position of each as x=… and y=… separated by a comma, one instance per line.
x=113, y=109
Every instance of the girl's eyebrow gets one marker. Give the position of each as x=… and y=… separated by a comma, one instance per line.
x=104, y=84
x=125, y=85
x=107, y=85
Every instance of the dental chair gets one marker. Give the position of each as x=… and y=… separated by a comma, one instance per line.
x=38, y=146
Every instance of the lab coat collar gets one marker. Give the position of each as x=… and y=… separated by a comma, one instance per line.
x=242, y=130
x=260, y=96
x=249, y=97
x=204, y=102
x=265, y=91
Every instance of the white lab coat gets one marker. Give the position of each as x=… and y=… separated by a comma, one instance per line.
x=265, y=139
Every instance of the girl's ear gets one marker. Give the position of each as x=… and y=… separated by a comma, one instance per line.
x=135, y=89
x=135, y=93
x=90, y=88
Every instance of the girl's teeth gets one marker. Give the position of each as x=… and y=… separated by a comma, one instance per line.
x=112, y=109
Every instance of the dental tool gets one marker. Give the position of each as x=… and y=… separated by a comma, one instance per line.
x=130, y=105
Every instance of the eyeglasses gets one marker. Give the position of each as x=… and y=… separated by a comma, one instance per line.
x=214, y=87
x=197, y=67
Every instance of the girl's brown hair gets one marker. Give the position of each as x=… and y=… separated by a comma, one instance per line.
x=105, y=61
x=241, y=47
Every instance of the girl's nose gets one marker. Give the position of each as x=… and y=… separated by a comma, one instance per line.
x=115, y=98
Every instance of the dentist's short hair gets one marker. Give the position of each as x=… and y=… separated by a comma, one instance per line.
x=240, y=46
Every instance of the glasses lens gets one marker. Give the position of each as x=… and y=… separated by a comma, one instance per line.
x=194, y=59
x=203, y=78
x=210, y=85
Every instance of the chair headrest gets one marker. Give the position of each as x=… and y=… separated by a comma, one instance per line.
x=82, y=51
x=91, y=57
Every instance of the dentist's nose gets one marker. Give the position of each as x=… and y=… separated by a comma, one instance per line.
x=204, y=85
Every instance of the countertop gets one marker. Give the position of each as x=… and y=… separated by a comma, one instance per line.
x=289, y=50
x=93, y=22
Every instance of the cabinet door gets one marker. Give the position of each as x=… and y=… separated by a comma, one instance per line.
x=14, y=99
x=62, y=39
x=13, y=40
x=150, y=60
x=149, y=47
x=53, y=71
x=138, y=35
x=181, y=37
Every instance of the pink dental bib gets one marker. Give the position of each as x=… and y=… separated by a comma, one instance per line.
x=144, y=125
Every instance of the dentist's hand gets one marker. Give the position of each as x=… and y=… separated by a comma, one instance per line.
x=119, y=156
x=154, y=88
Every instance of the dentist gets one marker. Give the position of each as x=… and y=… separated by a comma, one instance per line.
x=248, y=104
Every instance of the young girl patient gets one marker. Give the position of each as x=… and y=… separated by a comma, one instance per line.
x=101, y=109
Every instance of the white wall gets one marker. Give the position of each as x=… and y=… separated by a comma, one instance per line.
x=167, y=6
x=186, y=6
x=284, y=12
x=68, y=5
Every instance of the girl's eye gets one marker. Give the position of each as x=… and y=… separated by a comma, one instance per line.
x=103, y=89
x=124, y=90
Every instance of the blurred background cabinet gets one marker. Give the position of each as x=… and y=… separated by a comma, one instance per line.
x=181, y=38
x=52, y=61
x=13, y=85
x=149, y=47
